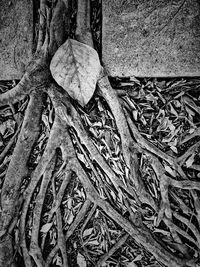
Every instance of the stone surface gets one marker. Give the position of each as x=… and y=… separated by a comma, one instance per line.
x=16, y=37
x=158, y=38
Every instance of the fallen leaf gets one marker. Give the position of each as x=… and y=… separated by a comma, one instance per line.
x=46, y=227
x=138, y=258
x=76, y=67
x=190, y=161
x=87, y=232
x=170, y=171
x=81, y=260
x=131, y=264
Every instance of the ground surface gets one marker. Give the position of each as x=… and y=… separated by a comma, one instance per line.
x=151, y=38
x=118, y=225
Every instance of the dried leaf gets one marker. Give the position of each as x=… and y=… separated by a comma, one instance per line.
x=190, y=161
x=81, y=260
x=7, y=126
x=93, y=242
x=46, y=227
x=174, y=149
x=76, y=67
x=88, y=232
x=138, y=258
x=3, y=128
x=131, y=264
x=70, y=218
x=58, y=260
x=135, y=114
x=170, y=171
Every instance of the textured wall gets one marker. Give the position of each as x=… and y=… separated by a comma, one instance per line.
x=16, y=37
x=151, y=38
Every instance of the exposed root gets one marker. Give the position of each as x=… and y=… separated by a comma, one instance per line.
x=79, y=217
x=48, y=154
x=175, y=228
x=196, y=204
x=94, y=207
x=59, y=26
x=11, y=187
x=140, y=234
x=73, y=120
x=146, y=144
x=111, y=98
x=61, y=238
x=83, y=30
x=189, y=225
x=41, y=25
x=149, y=147
x=28, y=135
x=35, y=250
x=51, y=255
x=130, y=191
x=117, y=245
x=60, y=194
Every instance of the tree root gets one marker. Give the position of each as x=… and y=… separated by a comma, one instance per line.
x=74, y=121
x=60, y=194
x=48, y=154
x=41, y=25
x=10, y=191
x=88, y=218
x=174, y=228
x=117, y=245
x=61, y=238
x=140, y=234
x=28, y=135
x=189, y=225
x=35, y=251
x=52, y=33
